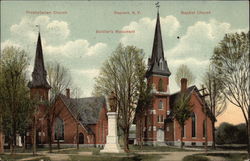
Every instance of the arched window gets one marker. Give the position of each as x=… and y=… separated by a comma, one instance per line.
x=59, y=129
x=81, y=138
x=160, y=85
x=193, y=117
x=204, y=128
x=160, y=105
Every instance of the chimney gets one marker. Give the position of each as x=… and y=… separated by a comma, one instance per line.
x=68, y=92
x=183, y=84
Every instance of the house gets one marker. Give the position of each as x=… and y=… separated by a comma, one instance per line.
x=155, y=124
x=86, y=117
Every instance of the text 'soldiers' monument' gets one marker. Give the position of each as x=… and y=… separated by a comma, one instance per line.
x=112, y=145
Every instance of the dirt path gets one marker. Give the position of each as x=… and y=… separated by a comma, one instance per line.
x=178, y=156
x=58, y=157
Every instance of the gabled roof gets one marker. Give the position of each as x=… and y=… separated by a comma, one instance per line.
x=88, y=109
x=157, y=64
x=189, y=91
x=39, y=74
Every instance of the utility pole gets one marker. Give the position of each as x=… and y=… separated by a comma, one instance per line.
x=205, y=111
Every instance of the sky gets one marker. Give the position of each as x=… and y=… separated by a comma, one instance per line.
x=81, y=35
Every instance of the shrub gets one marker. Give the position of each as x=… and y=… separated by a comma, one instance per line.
x=231, y=134
x=195, y=158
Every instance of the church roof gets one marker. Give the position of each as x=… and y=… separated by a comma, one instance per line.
x=157, y=64
x=39, y=74
x=189, y=91
x=88, y=109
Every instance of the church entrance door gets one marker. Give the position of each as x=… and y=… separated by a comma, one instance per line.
x=81, y=138
x=160, y=135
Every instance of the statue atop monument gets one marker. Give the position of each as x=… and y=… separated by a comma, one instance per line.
x=112, y=102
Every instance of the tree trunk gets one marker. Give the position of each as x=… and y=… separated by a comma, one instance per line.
x=206, y=134
x=23, y=140
x=49, y=135
x=213, y=132
x=248, y=132
x=1, y=142
x=182, y=128
x=126, y=148
x=141, y=133
x=58, y=143
x=77, y=136
x=34, y=136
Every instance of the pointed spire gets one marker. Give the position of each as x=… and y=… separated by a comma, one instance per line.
x=39, y=74
x=157, y=64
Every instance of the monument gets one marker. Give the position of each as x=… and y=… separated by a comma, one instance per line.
x=112, y=145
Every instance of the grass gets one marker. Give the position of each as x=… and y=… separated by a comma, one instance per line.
x=230, y=156
x=135, y=148
x=10, y=157
x=75, y=151
x=232, y=147
x=195, y=158
x=42, y=158
x=113, y=157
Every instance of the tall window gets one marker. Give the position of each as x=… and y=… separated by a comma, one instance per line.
x=193, y=117
x=160, y=118
x=204, y=128
x=160, y=105
x=160, y=85
x=59, y=129
x=184, y=131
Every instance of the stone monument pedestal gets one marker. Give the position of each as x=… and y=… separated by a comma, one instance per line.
x=112, y=145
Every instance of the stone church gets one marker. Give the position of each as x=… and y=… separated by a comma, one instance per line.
x=156, y=125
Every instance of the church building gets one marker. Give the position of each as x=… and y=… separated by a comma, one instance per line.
x=156, y=125
x=87, y=117
x=83, y=117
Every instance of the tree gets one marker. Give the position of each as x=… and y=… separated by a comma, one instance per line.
x=231, y=62
x=216, y=101
x=231, y=134
x=182, y=111
x=59, y=79
x=121, y=74
x=16, y=106
x=184, y=72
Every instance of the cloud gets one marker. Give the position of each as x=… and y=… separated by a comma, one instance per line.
x=53, y=31
x=195, y=48
x=8, y=43
x=77, y=55
x=144, y=31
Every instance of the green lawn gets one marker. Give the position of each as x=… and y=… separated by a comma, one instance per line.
x=113, y=157
x=134, y=148
x=230, y=156
x=10, y=157
x=195, y=158
x=75, y=151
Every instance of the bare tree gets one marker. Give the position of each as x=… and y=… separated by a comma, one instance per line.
x=59, y=79
x=231, y=62
x=216, y=100
x=184, y=72
x=121, y=74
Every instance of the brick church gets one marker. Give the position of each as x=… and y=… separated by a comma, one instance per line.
x=157, y=126
x=89, y=114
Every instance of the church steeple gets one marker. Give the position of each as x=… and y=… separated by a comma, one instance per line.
x=157, y=64
x=39, y=74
